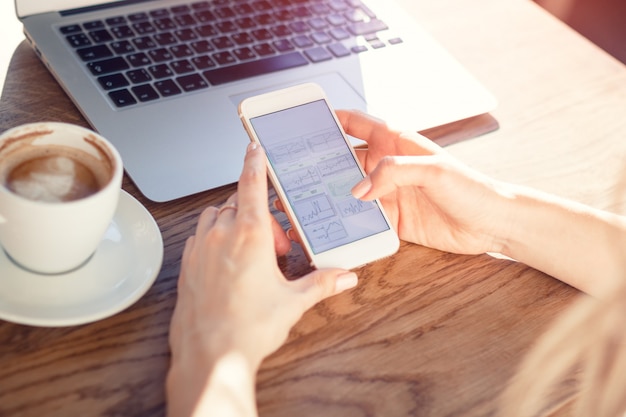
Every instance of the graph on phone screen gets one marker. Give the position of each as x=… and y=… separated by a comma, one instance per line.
x=317, y=170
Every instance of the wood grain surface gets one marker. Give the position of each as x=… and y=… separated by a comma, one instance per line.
x=425, y=333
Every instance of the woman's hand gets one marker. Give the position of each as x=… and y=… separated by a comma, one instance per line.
x=430, y=197
x=233, y=300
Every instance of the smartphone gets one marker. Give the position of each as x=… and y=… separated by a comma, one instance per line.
x=313, y=167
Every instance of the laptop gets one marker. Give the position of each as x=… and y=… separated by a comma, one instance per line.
x=161, y=79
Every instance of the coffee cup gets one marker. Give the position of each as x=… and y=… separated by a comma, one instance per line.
x=59, y=188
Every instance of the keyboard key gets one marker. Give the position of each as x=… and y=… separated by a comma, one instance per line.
x=160, y=71
x=281, y=30
x=203, y=62
x=185, y=20
x=264, y=49
x=117, y=20
x=180, y=9
x=321, y=37
x=318, y=23
x=224, y=58
x=226, y=26
x=283, y=45
x=181, y=67
x=167, y=88
x=250, y=69
x=224, y=12
x=145, y=92
x=96, y=24
x=200, y=5
x=137, y=17
x=122, y=31
x=262, y=34
x=100, y=36
x=145, y=42
x=77, y=40
x=376, y=43
x=113, y=81
x=165, y=38
x=339, y=50
x=185, y=35
x=138, y=60
x=202, y=47
x=192, y=82
x=181, y=51
x=299, y=27
x=284, y=15
x=205, y=16
x=242, y=38
x=144, y=28
x=159, y=13
x=336, y=20
x=262, y=5
x=206, y=31
x=243, y=9
x=222, y=42
x=371, y=26
x=245, y=23
x=138, y=76
x=339, y=34
x=244, y=54
x=107, y=66
x=265, y=19
x=302, y=41
x=160, y=55
x=122, y=47
x=69, y=29
x=122, y=98
x=318, y=54
x=164, y=23
x=91, y=53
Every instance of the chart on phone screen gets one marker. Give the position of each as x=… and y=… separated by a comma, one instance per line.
x=317, y=172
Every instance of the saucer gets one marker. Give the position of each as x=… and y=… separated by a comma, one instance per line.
x=120, y=272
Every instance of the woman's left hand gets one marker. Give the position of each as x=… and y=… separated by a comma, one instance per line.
x=232, y=296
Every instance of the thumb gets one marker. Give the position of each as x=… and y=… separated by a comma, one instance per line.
x=323, y=283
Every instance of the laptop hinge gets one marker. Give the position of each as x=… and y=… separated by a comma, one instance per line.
x=86, y=9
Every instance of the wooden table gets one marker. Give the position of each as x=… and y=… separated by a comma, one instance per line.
x=425, y=333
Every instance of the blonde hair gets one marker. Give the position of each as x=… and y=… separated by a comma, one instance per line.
x=583, y=351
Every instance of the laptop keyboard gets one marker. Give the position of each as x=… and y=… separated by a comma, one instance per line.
x=165, y=52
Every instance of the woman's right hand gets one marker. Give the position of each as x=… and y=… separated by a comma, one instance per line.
x=430, y=197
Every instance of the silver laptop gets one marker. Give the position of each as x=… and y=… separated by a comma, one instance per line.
x=162, y=79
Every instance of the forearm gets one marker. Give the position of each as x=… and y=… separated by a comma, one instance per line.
x=581, y=246
x=221, y=385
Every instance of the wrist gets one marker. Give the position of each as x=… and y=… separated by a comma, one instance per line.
x=210, y=375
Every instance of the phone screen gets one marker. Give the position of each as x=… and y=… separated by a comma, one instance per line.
x=317, y=170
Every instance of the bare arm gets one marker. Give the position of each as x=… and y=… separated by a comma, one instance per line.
x=435, y=200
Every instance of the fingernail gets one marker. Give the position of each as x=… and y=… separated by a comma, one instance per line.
x=345, y=281
x=362, y=188
x=252, y=146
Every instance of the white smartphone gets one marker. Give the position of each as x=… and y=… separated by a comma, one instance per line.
x=313, y=167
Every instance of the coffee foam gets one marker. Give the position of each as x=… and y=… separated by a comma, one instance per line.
x=54, y=173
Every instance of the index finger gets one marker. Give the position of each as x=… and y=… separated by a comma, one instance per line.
x=252, y=188
x=358, y=124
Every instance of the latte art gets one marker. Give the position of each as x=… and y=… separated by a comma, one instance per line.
x=52, y=179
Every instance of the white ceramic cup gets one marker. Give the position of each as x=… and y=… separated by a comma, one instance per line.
x=43, y=228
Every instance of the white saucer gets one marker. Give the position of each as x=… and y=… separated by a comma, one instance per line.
x=119, y=273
